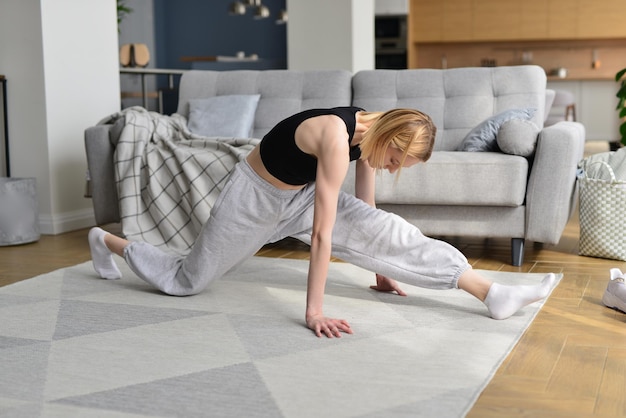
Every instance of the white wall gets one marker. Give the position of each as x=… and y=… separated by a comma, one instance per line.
x=60, y=60
x=330, y=34
x=363, y=42
x=21, y=61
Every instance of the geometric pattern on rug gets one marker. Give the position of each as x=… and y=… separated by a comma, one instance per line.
x=72, y=344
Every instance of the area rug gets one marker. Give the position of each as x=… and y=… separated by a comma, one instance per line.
x=72, y=344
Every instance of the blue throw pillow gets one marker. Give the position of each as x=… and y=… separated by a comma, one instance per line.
x=483, y=137
x=230, y=116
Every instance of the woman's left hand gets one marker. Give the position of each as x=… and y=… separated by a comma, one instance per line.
x=385, y=284
x=329, y=327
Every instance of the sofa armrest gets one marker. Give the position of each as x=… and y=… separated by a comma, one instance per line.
x=100, y=149
x=551, y=196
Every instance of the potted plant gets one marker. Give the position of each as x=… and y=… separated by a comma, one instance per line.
x=122, y=10
x=621, y=104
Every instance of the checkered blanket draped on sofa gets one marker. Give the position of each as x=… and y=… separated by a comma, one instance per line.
x=167, y=177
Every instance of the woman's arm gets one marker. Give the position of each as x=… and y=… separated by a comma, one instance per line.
x=332, y=166
x=365, y=182
x=365, y=189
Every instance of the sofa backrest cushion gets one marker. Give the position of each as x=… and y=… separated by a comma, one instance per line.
x=283, y=92
x=457, y=99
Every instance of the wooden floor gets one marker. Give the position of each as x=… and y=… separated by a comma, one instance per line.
x=571, y=362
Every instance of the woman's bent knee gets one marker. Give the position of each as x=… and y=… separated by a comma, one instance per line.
x=185, y=284
x=163, y=271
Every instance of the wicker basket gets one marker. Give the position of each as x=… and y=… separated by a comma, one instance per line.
x=602, y=216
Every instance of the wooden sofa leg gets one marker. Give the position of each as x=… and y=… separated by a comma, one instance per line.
x=517, y=251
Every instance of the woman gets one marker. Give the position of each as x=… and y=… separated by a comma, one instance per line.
x=289, y=185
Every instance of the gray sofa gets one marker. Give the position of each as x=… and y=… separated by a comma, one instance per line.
x=456, y=193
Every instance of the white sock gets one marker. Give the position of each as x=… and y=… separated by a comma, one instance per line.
x=101, y=256
x=503, y=301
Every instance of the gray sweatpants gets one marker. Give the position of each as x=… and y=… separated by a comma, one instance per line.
x=251, y=212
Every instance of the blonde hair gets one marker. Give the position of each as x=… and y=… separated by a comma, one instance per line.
x=409, y=130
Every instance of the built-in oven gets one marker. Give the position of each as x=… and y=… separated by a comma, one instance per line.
x=391, y=39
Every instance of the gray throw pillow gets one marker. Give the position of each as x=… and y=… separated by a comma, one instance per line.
x=518, y=137
x=223, y=116
x=483, y=136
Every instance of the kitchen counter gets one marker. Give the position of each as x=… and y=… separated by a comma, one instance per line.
x=585, y=60
x=583, y=77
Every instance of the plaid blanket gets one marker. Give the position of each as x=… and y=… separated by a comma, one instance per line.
x=168, y=178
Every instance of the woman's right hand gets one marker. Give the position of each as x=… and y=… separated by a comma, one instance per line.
x=385, y=284
x=329, y=327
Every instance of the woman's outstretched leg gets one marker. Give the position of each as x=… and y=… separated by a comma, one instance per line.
x=387, y=244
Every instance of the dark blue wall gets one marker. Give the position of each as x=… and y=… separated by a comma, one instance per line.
x=204, y=28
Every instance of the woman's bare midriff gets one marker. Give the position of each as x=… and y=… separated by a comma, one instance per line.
x=254, y=159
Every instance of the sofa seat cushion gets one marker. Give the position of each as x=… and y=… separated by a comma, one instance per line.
x=458, y=178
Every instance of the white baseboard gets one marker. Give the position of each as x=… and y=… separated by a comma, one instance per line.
x=66, y=222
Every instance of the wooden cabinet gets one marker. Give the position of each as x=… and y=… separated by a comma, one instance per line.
x=507, y=20
x=440, y=20
x=601, y=19
x=426, y=21
x=457, y=20
x=563, y=19
x=493, y=19
x=533, y=20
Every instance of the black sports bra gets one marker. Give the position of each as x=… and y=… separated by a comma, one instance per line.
x=288, y=163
